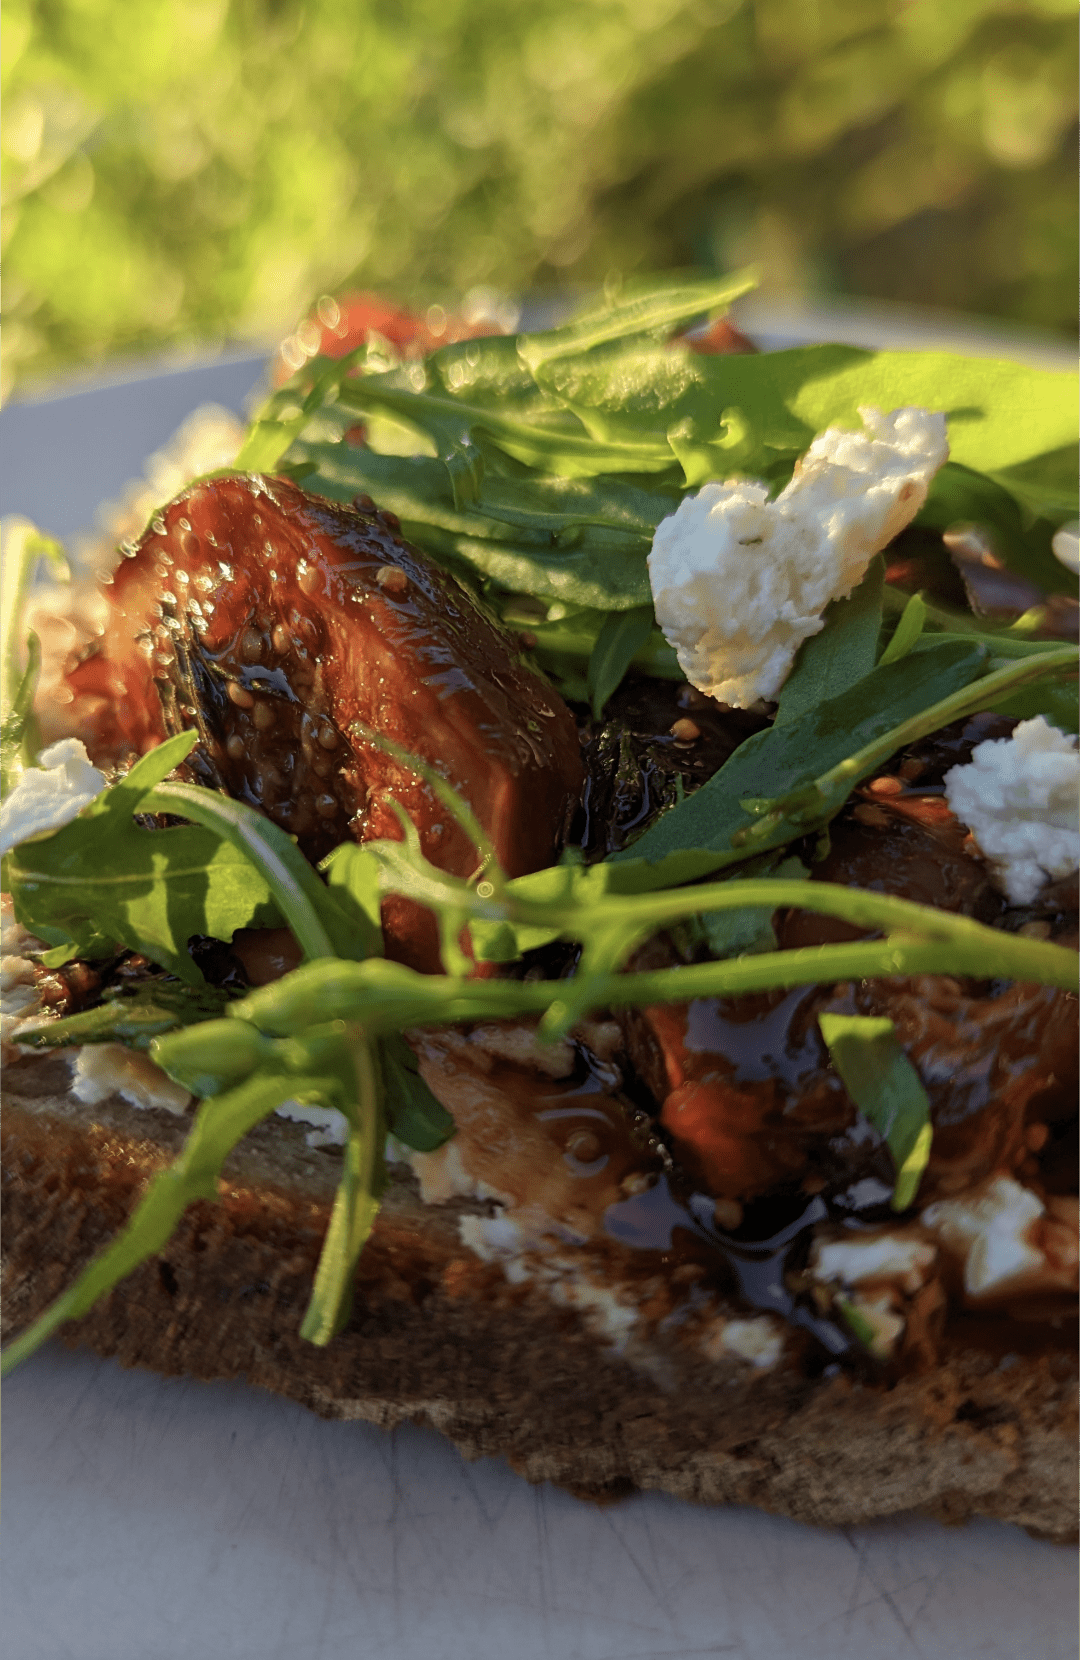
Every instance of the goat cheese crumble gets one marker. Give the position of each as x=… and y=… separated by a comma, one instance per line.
x=1020, y=798
x=889, y=1256
x=50, y=794
x=331, y=1127
x=739, y=581
x=104, y=1069
x=996, y=1235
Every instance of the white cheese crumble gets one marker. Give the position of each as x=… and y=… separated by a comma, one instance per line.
x=331, y=1127
x=739, y=581
x=1020, y=798
x=890, y=1256
x=104, y=1069
x=51, y=794
x=528, y=1254
x=442, y=1175
x=20, y=1002
x=758, y=1339
x=991, y=1233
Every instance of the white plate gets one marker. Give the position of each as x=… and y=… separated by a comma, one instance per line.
x=163, y=1519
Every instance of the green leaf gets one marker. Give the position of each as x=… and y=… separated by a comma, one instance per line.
x=907, y=630
x=621, y=637
x=763, y=410
x=288, y=411
x=748, y=932
x=831, y=662
x=857, y=1322
x=555, y=443
x=219, y=1125
x=642, y=307
x=104, y=881
x=413, y=1113
x=1057, y=703
x=320, y=927
x=1000, y=414
x=603, y=578
x=1046, y=485
x=131, y=1015
x=776, y=762
x=352, y=875
x=575, y=635
x=886, y=1089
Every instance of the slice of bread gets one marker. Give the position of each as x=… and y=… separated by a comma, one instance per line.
x=516, y=1369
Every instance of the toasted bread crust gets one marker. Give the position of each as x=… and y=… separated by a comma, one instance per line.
x=437, y=1336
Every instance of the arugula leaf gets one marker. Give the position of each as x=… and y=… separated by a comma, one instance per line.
x=759, y=411
x=748, y=932
x=541, y=510
x=907, y=631
x=555, y=443
x=640, y=308
x=621, y=637
x=325, y=1007
x=130, y=1015
x=814, y=804
x=215, y=1055
x=1000, y=414
x=104, y=881
x=831, y=662
x=283, y=419
x=887, y=1090
x=413, y=1113
x=1046, y=486
x=320, y=927
x=778, y=760
x=603, y=578
x=574, y=636
x=859, y=1325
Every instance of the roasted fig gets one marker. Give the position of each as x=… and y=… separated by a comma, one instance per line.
x=281, y=625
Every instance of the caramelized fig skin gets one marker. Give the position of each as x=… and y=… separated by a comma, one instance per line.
x=281, y=624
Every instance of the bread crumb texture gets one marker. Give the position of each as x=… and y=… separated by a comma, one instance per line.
x=505, y=1369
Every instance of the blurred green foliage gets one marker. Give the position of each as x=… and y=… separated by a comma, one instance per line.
x=195, y=169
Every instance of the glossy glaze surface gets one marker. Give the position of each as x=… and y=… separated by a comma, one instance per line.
x=281, y=625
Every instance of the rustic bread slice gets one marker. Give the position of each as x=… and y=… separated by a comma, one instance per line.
x=438, y=1336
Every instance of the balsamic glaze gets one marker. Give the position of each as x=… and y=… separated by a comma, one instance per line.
x=748, y=1265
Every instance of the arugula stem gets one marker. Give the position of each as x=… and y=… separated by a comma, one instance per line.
x=356, y=1203
x=855, y=905
x=1020, y=959
x=25, y=546
x=980, y=694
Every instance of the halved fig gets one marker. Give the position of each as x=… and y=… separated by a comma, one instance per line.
x=281, y=624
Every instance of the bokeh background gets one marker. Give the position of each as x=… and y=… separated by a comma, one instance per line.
x=179, y=172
